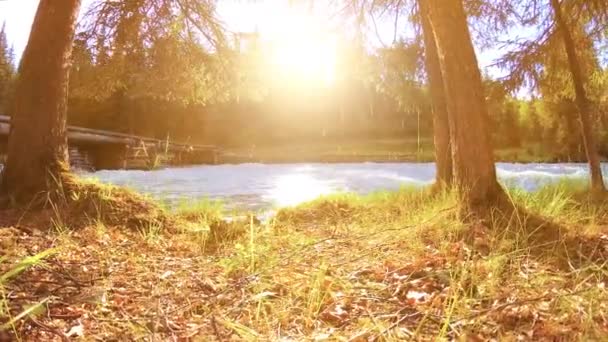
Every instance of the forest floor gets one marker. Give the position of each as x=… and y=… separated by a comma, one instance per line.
x=385, y=267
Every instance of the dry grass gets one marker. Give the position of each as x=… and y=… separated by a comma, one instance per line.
x=86, y=203
x=386, y=267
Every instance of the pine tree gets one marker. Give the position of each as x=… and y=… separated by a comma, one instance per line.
x=510, y=124
x=441, y=127
x=534, y=129
x=564, y=28
x=37, y=158
x=474, y=170
x=581, y=98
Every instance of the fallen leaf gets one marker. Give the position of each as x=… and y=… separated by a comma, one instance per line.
x=167, y=274
x=416, y=296
x=263, y=295
x=322, y=337
x=337, y=316
x=360, y=337
x=76, y=331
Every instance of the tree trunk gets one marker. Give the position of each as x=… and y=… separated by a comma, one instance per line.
x=441, y=128
x=582, y=102
x=472, y=155
x=37, y=148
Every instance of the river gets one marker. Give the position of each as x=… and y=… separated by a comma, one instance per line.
x=267, y=186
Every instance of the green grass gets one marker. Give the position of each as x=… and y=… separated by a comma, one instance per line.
x=8, y=320
x=389, y=266
x=201, y=210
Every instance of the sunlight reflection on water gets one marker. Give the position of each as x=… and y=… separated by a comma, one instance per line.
x=290, y=190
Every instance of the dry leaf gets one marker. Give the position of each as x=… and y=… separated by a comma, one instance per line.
x=167, y=274
x=417, y=296
x=263, y=295
x=76, y=331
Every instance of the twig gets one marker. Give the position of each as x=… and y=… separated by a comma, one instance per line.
x=65, y=317
x=50, y=329
x=518, y=303
x=61, y=272
x=401, y=320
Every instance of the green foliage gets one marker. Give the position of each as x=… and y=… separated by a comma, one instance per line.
x=531, y=121
x=556, y=79
x=134, y=75
x=231, y=98
x=135, y=60
x=6, y=321
x=557, y=89
x=505, y=114
x=171, y=70
x=204, y=211
x=7, y=70
x=24, y=265
x=509, y=125
x=164, y=67
x=399, y=75
x=539, y=62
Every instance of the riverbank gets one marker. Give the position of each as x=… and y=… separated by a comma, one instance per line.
x=387, y=267
x=364, y=151
x=373, y=150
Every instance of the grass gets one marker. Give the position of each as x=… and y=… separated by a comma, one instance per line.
x=9, y=321
x=387, y=267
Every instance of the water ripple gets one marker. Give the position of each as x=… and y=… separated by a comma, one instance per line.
x=261, y=186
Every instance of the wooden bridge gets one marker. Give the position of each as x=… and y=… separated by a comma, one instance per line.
x=93, y=149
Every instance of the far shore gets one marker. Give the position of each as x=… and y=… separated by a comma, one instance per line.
x=375, y=150
x=295, y=157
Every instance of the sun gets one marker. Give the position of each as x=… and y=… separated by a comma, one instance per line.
x=301, y=48
x=310, y=61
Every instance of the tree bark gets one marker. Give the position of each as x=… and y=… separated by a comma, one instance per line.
x=582, y=102
x=441, y=128
x=472, y=154
x=37, y=147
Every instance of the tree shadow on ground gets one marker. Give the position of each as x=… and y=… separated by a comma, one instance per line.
x=564, y=245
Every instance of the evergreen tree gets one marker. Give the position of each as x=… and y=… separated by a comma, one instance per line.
x=509, y=125
x=473, y=158
x=581, y=98
x=7, y=70
x=37, y=158
x=534, y=129
x=441, y=127
x=564, y=29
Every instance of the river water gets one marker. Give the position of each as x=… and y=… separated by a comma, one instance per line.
x=267, y=186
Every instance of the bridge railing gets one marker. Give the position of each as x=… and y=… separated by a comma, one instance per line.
x=101, y=136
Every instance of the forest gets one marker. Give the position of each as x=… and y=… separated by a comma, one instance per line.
x=465, y=257
x=237, y=101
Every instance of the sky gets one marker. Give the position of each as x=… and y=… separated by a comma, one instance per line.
x=18, y=16
x=239, y=16
x=265, y=16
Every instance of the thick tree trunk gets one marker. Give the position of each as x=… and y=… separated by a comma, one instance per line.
x=582, y=102
x=37, y=148
x=441, y=128
x=472, y=155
